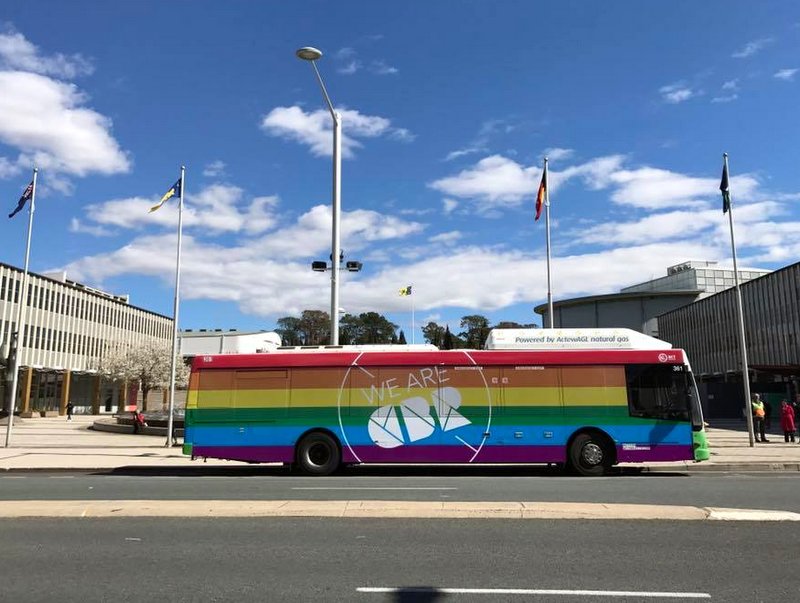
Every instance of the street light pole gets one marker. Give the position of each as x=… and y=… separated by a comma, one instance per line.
x=311, y=55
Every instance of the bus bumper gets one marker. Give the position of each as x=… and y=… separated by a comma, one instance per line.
x=700, y=445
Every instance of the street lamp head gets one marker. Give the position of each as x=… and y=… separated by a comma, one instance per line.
x=309, y=53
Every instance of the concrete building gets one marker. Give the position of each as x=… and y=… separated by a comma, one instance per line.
x=709, y=331
x=69, y=328
x=637, y=307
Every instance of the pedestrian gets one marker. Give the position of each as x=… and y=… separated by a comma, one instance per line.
x=758, y=418
x=796, y=407
x=787, y=421
x=70, y=408
x=138, y=421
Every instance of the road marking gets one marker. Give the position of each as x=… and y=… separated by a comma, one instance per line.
x=370, y=488
x=534, y=591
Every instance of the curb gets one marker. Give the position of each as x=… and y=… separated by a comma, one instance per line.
x=357, y=509
x=765, y=467
x=689, y=469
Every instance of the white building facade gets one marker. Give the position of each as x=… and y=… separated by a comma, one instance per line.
x=69, y=329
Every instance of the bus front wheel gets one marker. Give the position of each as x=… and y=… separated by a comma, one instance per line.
x=589, y=455
x=318, y=454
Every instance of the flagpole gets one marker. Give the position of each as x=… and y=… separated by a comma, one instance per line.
x=173, y=357
x=413, y=335
x=742, y=345
x=547, y=230
x=22, y=306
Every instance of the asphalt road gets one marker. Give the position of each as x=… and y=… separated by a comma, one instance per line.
x=331, y=559
x=773, y=491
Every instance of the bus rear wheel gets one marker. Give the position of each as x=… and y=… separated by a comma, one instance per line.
x=589, y=455
x=318, y=454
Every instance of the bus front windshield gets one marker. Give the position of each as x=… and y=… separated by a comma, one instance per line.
x=661, y=391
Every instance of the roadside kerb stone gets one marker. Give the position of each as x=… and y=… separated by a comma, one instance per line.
x=380, y=509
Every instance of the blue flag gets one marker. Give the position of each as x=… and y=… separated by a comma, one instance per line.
x=174, y=191
x=28, y=194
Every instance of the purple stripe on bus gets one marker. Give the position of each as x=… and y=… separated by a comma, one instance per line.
x=446, y=454
x=654, y=453
x=460, y=454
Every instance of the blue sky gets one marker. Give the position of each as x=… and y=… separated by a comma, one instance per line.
x=448, y=109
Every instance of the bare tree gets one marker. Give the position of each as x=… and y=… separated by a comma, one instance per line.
x=147, y=363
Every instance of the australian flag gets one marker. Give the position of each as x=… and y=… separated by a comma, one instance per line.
x=22, y=200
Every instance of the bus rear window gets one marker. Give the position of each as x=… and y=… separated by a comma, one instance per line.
x=658, y=391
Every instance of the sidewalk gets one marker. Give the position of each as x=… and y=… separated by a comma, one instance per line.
x=56, y=444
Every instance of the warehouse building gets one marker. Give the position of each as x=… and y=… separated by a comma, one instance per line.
x=709, y=331
x=637, y=307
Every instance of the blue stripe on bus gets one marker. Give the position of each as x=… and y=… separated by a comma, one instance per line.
x=260, y=435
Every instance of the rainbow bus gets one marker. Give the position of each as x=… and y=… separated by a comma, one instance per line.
x=583, y=398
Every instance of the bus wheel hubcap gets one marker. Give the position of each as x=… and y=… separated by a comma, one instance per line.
x=592, y=454
x=318, y=454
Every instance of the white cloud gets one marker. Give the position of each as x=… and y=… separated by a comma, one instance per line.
x=8, y=168
x=495, y=178
x=46, y=120
x=77, y=226
x=462, y=152
x=557, y=153
x=344, y=54
x=449, y=205
x=752, y=48
x=382, y=68
x=497, y=182
x=349, y=68
x=785, y=74
x=447, y=238
x=214, y=169
x=215, y=209
x=676, y=93
x=17, y=53
x=267, y=275
x=314, y=129
x=653, y=188
x=725, y=98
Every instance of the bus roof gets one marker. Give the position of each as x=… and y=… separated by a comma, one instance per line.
x=460, y=358
x=572, y=339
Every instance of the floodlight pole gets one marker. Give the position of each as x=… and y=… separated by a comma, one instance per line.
x=312, y=55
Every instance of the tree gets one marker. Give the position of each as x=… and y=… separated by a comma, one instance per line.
x=147, y=363
x=506, y=324
x=434, y=334
x=376, y=328
x=447, y=340
x=315, y=327
x=402, y=339
x=476, y=330
x=289, y=330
